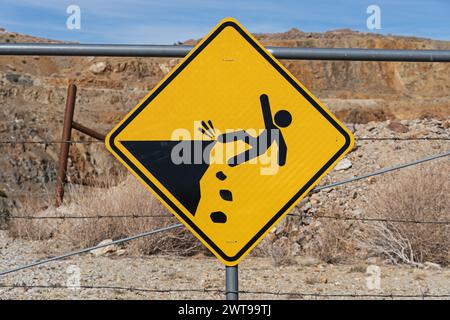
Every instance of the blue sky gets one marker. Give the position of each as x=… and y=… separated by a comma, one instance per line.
x=166, y=21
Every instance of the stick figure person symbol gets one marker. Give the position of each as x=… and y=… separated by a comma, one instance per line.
x=259, y=145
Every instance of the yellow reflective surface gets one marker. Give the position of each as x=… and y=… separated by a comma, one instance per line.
x=222, y=80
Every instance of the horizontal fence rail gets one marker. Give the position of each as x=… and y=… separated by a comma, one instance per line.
x=179, y=51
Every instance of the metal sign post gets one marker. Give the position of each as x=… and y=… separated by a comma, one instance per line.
x=65, y=145
x=232, y=286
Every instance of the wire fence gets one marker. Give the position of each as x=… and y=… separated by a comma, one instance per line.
x=58, y=286
x=145, y=234
x=317, y=295
x=50, y=142
x=149, y=216
x=175, y=226
x=296, y=53
x=316, y=189
x=381, y=220
x=85, y=250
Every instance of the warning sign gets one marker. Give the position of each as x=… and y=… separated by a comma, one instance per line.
x=229, y=141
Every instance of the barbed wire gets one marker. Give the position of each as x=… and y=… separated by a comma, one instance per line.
x=354, y=295
x=316, y=189
x=107, y=287
x=49, y=142
x=375, y=219
x=383, y=171
x=402, y=139
x=378, y=172
x=85, y=250
x=221, y=291
x=63, y=256
x=63, y=217
x=143, y=216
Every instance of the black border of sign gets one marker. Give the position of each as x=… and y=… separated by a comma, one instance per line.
x=291, y=81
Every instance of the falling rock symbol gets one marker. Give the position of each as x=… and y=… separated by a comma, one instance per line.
x=226, y=195
x=218, y=217
x=221, y=176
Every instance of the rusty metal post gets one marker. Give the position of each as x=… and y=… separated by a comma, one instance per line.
x=92, y=133
x=65, y=143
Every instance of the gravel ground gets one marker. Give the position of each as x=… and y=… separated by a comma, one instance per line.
x=201, y=277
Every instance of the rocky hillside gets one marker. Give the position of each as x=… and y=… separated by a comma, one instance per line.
x=33, y=90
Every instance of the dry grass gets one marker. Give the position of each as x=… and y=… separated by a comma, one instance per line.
x=312, y=280
x=419, y=275
x=23, y=228
x=335, y=243
x=420, y=194
x=281, y=253
x=358, y=268
x=127, y=198
x=316, y=278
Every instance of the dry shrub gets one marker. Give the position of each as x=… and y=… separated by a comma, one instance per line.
x=418, y=194
x=280, y=252
x=129, y=198
x=335, y=242
x=329, y=241
x=22, y=227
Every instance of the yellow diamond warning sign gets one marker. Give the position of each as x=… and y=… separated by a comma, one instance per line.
x=229, y=141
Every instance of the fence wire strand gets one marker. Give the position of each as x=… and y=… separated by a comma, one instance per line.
x=221, y=291
x=149, y=216
x=85, y=250
x=316, y=189
x=378, y=172
x=172, y=227
x=50, y=142
x=383, y=171
x=377, y=219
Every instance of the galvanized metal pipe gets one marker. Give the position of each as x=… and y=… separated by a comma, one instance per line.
x=125, y=50
x=231, y=280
